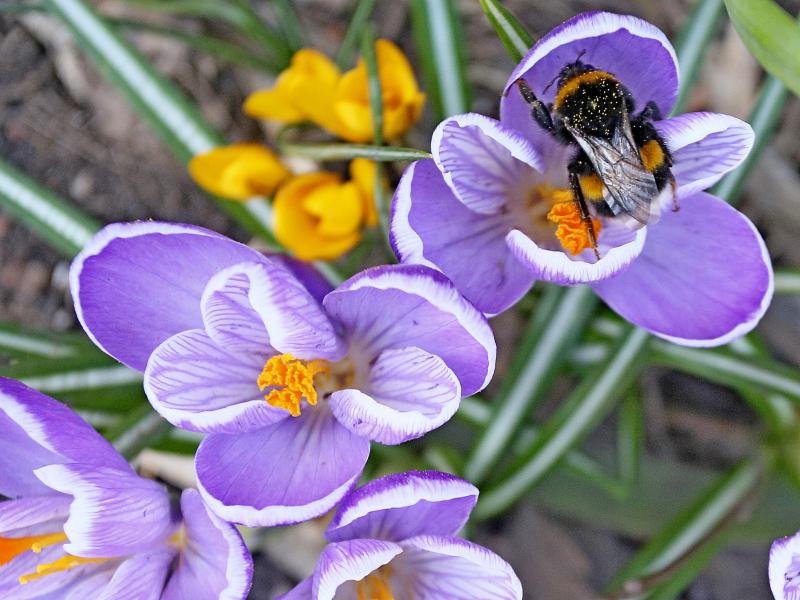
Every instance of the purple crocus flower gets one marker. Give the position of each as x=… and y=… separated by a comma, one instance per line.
x=784, y=568
x=701, y=276
x=395, y=537
x=80, y=523
x=290, y=389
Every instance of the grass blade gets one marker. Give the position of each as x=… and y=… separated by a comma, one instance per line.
x=586, y=406
x=438, y=34
x=160, y=103
x=511, y=32
x=324, y=152
x=547, y=341
x=346, y=54
x=290, y=24
x=62, y=226
x=771, y=35
x=692, y=44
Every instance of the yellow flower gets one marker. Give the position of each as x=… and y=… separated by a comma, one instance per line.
x=312, y=89
x=238, y=171
x=317, y=216
x=402, y=100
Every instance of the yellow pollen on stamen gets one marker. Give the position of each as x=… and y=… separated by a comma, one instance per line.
x=375, y=586
x=62, y=564
x=10, y=548
x=572, y=232
x=294, y=379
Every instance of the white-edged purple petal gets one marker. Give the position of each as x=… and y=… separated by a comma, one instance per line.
x=403, y=505
x=342, y=564
x=195, y=384
x=483, y=162
x=35, y=510
x=136, y=284
x=556, y=267
x=429, y=226
x=113, y=513
x=635, y=51
x=307, y=274
x=704, y=147
x=409, y=393
x=215, y=563
x=411, y=305
x=784, y=568
x=292, y=319
x=704, y=278
x=141, y=577
x=449, y=567
x=36, y=430
x=289, y=472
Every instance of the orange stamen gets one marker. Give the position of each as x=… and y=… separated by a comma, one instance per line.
x=295, y=380
x=375, y=586
x=572, y=232
x=62, y=564
x=10, y=548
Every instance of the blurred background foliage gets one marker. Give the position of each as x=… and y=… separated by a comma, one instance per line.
x=610, y=463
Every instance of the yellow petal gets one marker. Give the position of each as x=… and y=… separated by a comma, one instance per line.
x=402, y=100
x=298, y=229
x=238, y=171
x=362, y=173
x=303, y=92
x=273, y=104
x=339, y=209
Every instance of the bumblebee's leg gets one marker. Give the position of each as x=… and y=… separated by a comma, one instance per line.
x=586, y=217
x=651, y=112
x=539, y=112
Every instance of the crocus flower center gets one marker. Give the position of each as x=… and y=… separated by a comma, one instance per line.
x=571, y=231
x=293, y=380
x=553, y=220
x=10, y=548
x=375, y=586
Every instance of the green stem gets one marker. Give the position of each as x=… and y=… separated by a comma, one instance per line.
x=787, y=281
x=511, y=32
x=586, y=406
x=714, y=510
x=324, y=152
x=692, y=43
x=438, y=36
x=763, y=119
x=347, y=50
x=290, y=24
x=546, y=343
x=140, y=429
x=56, y=222
x=159, y=102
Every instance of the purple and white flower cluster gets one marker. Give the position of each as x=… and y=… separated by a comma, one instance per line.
x=291, y=381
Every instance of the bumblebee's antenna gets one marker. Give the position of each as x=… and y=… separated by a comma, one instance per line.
x=552, y=81
x=580, y=55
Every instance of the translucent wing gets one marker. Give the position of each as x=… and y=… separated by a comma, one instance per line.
x=629, y=188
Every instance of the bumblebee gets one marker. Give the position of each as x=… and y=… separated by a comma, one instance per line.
x=622, y=165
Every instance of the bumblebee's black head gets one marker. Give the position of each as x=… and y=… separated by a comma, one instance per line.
x=572, y=70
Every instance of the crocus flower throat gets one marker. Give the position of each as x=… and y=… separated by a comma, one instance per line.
x=10, y=548
x=292, y=380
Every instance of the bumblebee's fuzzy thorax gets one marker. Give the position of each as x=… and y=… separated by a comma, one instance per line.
x=591, y=101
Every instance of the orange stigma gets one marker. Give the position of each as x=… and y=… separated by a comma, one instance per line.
x=572, y=232
x=293, y=380
x=10, y=548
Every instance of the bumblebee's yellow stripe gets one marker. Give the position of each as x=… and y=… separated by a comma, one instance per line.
x=592, y=187
x=652, y=155
x=571, y=86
